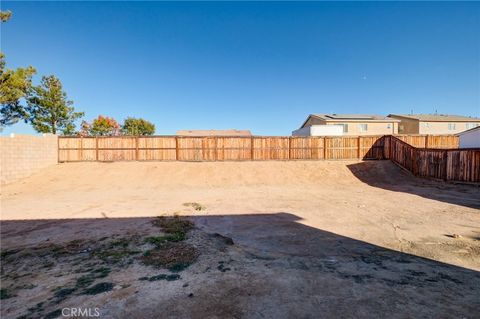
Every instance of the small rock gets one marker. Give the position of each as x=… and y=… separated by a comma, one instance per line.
x=190, y=295
x=456, y=236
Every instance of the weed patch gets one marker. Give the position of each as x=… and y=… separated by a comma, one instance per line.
x=161, y=277
x=102, y=272
x=4, y=294
x=86, y=280
x=113, y=256
x=98, y=288
x=63, y=293
x=173, y=256
x=160, y=240
x=173, y=225
x=9, y=252
x=195, y=206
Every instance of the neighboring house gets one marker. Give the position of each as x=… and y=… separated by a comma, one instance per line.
x=214, y=133
x=355, y=124
x=434, y=123
x=470, y=138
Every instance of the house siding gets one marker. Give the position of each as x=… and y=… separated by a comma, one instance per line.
x=373, y=127
x=443, y=127
x=408, y=126
x=416, y=126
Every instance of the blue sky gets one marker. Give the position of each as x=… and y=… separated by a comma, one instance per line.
x=247, y=65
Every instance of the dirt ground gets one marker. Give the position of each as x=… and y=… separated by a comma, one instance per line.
x=270, y=240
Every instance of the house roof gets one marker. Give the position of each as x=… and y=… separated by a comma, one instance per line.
x=469, y=131
x=231, y=132
x=437, y=117
x=351, y=118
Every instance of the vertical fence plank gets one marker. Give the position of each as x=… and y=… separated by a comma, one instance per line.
x=445, y=165
x=358, y=147
x=58, y=150
x=136, y=148
x=96, y=148
x=176, y=148
x=81, y=148
x=251, y=148
x=325, y=148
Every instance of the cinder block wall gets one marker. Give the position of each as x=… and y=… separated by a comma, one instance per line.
x=23, y=155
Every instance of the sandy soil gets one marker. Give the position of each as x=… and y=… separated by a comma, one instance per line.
x=330, y=239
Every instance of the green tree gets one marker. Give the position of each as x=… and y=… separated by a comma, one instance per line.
x=104, y=126
x=133, y=126
x=15, y=85
x=5, y=15
x=50, y=110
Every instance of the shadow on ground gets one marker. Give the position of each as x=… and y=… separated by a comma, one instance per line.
x=393, y=178
x=276, y=268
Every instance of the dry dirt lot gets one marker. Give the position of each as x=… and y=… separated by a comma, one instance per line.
x=266, y=240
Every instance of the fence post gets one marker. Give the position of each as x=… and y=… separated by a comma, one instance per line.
x=136, y=148
x=426, y=141
x=358, y=147
x=81, y=148
x=216, y=148
x=251, y=148
x=445, y=164
x=324, y=148
x=96, y=148
x=58, y=149
x=289, y=147
x=414, y=156
x=383, y=148
x=390, y=151
x=176, y=148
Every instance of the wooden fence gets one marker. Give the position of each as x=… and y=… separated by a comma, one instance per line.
x=460, y=165
x=430, y=141
x=219, y=148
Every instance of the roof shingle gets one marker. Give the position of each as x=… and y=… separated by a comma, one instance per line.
x=437, y=117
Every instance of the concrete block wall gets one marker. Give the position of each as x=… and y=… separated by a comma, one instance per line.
x=24, y=155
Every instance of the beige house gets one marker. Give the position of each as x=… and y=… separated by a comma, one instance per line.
x=356, y=124
x=434, y=124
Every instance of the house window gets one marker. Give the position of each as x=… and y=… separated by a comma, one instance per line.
x=426, y=125
x=470, y=125
x=451, y=126
x=362, y=127
x=345, y=127
x=389, y=126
